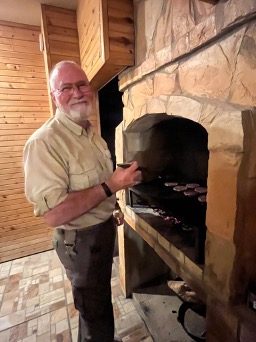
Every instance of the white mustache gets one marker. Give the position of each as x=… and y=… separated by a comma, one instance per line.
x=84, y=99
x=80, y=101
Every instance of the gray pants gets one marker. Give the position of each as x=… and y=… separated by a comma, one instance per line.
x=89, y=270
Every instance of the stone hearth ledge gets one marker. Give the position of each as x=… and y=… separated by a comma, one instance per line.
x=178, y=262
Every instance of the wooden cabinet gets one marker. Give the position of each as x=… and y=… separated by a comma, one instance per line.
x=106, y=38
x=60, y=39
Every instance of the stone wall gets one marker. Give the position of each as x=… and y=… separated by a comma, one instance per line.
x=198, y=60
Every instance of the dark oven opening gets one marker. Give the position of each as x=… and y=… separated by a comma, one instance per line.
x=172, y=197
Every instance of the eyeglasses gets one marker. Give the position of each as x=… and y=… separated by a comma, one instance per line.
x=69, y=88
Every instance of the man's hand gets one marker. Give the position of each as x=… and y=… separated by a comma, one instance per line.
x=124, y=178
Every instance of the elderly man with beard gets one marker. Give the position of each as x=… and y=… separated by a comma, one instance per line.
x=70, y=181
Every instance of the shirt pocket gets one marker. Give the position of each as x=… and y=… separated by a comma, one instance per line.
x=108, y=160
x=105, y=157
x=82, y=174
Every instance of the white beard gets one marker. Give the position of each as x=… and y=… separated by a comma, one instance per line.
x=81, y=112
x=78, y=115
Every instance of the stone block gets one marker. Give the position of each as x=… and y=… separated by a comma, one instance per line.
x=185, y=107
x=148, y=66
x=163, y=242
x=222, y=185
x=224, y=126
x=202, y=33
x=233, y=11
x=209, y=73
x=156, y=105
x=244, y=81
x=164, y=83
x=177, y=254
x=163, y=56
x=219, y=263
x=222, y=325
x=247, y=332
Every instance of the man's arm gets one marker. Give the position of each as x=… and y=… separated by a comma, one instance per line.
x=74, y=205
x=80, y=202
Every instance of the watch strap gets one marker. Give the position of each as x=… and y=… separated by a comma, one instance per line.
x=108, y=192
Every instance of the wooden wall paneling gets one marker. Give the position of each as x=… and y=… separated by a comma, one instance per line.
x=24, y=107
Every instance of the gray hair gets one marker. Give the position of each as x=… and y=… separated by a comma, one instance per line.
x=57, y=67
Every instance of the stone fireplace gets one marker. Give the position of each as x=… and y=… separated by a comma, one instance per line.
x=197, y=59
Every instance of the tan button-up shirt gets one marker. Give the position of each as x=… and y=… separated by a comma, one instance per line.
x=61, y=157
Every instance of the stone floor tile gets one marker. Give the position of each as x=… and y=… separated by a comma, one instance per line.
x=12, y=295
x=2, y=288
x=69, y=296
x=64, y=336
x=19, y=332
x=4, y=275
x=61, y=326
x=32, y=291
x=59, y=304
x=6, y=265
x=11, y=286
x=116, y=290
x=32, y=301
x=56, y=286
x=137, y=336
x=40, y=270
x=43, y=324
x=57, y=278
x=42, y=277
x=116, y=310
x=5, y=335
x=43, y=288
x=59, y=315
x=11, y=320
x=24, y=283
x=127, y=323
x=74, y=321
x=31, y=338
x=38, y=286
x=55, y=272
x=74, y=333
x=51, y=296
x=16, y=270
x=115, y=281
x=128, y=307
x=27, y=272
x=6, y=308
x=44, y=338
x=72, y=312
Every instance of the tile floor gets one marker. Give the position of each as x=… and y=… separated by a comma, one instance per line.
x=36, y=303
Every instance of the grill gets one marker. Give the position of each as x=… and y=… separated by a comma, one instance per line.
x=180, y=219
x=170, y=149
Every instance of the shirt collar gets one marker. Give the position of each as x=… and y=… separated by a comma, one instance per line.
x=68, y=123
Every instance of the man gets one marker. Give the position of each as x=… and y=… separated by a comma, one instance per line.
x=70, y=181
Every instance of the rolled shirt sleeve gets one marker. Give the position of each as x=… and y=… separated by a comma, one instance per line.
x=46, y=176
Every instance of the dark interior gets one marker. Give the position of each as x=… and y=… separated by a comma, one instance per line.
x=168, y=146
x=170, y=149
